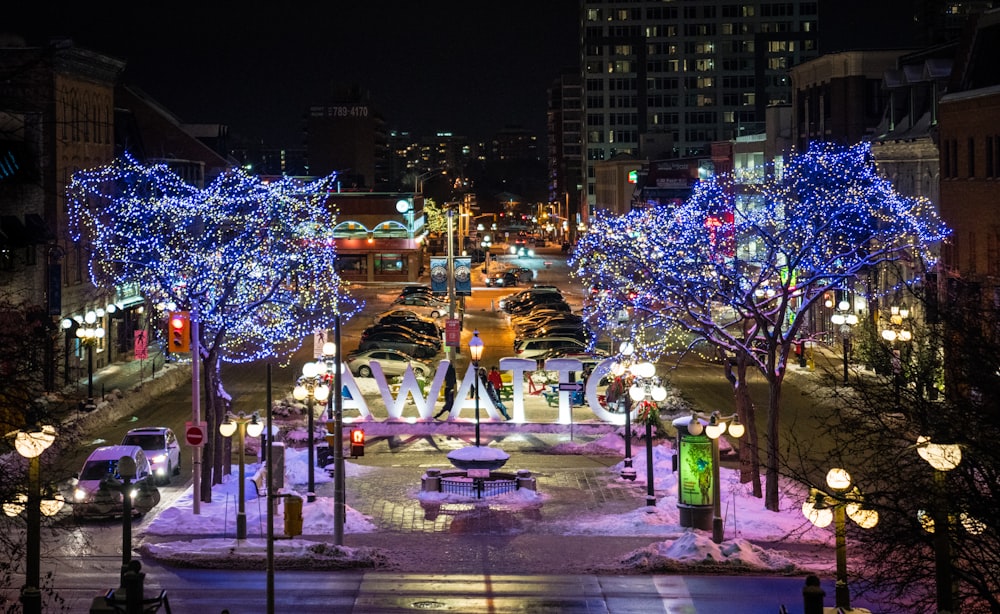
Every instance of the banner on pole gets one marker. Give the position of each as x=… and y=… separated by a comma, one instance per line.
x=463, y=276
x=439, y=275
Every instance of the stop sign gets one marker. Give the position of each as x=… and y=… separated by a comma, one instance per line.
x=195, y=434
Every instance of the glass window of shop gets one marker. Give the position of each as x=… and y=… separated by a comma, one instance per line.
x=390, y=263
x=352, y=265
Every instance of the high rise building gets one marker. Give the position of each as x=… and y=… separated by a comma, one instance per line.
x=690, y=71
x=565, y=158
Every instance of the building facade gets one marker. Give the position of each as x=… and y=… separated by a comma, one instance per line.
x=697, y=70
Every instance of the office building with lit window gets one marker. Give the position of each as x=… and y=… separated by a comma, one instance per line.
x=690, y=71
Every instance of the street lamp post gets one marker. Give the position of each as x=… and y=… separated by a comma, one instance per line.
x=646, y=391
x=476, y=354
x=30, y=444
x=943, y=458
x=309, y=387
x=717, y=425
x=625, y=406
x=845, y=320
x=897, y=333
x=90, y=334
x=242, y=426
x=822, y=508
x=335, y=414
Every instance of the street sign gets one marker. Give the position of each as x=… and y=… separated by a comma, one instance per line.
x=452, y=332
x=571, y=386
x=195, y=434
x=319, y=338
x=141, y=345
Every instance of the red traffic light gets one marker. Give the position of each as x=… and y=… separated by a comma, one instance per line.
x=179, y=333
x=357, y=442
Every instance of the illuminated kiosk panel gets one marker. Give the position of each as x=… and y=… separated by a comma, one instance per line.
x=694, y=477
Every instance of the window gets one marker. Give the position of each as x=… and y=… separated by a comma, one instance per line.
x=352, y=265
x=390, y=263
x=972, y=157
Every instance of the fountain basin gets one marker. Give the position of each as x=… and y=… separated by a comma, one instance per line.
x=478, y=457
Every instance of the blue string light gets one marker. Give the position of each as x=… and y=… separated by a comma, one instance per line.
x=255, y=258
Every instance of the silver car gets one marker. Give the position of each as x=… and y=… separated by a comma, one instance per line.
x=393, y=363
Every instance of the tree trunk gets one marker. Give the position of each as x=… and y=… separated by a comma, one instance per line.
x=749, y=450
x=774, y=402
x=217, y=405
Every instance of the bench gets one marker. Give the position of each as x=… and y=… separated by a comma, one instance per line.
x=259, y=480
x=552, y=398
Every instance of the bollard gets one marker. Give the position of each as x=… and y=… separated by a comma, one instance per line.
x=293, y=515
x=525, y=481
x=431, y=481
x=812, y=596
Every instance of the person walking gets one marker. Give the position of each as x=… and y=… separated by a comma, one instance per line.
x=449, y=391
x=494, y=378
x=494, y=384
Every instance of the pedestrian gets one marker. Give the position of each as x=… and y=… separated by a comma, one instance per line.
x=449, y=391
x=494, y=377
x=493, y=391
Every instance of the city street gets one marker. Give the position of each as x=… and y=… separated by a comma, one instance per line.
x=470, y=569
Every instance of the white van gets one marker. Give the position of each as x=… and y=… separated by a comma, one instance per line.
x=97, y=492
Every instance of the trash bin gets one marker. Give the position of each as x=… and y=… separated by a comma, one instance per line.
x=293, y=515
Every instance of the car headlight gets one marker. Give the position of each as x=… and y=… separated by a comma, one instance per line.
x=79, y=494
x=159, y=458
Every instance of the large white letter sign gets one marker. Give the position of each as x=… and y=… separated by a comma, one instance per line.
x=518, y=367
x=564, y=366
x=600, y=370
x=357, y=400
x=408, y=387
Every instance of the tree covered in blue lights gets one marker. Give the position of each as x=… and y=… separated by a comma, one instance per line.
x=735, y=270
x=254, y=262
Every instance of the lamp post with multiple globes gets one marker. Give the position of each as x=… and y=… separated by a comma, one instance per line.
x=241, y=426
x=844, y=500
x=845, y=320
x=311, y=386
x=30, y=443
x=943, y=458
x=647, y=392
x=896, y=333
x=625, y=406
x=90, y=334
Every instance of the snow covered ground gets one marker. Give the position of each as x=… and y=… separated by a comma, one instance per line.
x=792, y=543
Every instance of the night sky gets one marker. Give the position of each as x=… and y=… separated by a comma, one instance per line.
x=468, y=67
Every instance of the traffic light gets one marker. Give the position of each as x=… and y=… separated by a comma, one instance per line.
x=357, y=442
x=179, y=332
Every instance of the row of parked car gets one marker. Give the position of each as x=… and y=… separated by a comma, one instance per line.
x=545, y=326
x=400, y=337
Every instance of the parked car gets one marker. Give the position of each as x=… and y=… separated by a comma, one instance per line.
x=530, y=292
x=393, y=363
x=424, y=305
x=421, y=289
x=578, y=331
x=527, y=305
x=403, y=329
x=543, y=316
x=411, y=320
x=501, y=280
x=161, y=447
x=524, y=274
x=539, y=347
x=406, y=342
x=95, y=494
